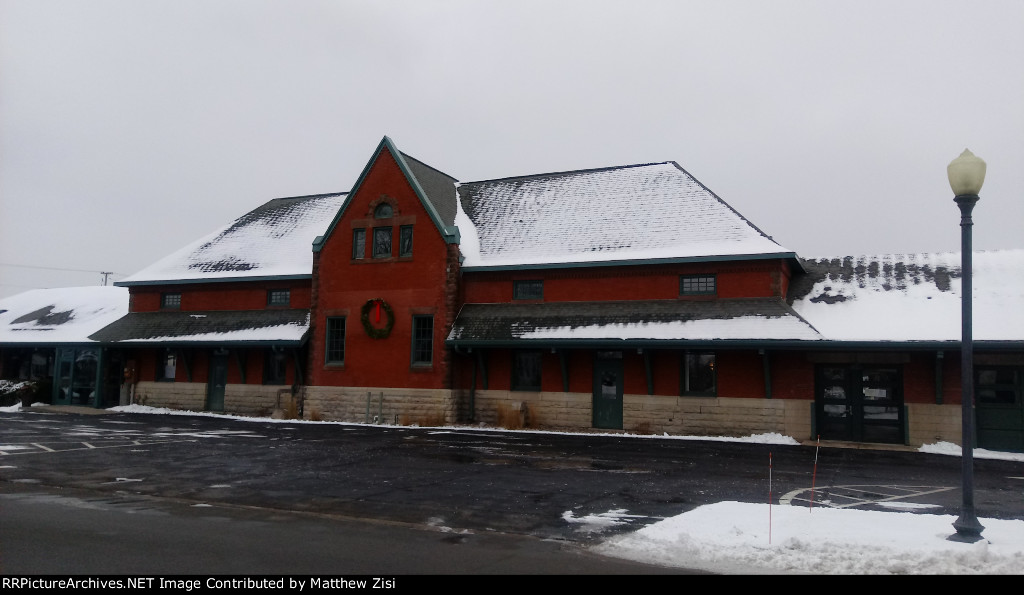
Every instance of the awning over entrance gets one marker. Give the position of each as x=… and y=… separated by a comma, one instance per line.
x=242, y=327
x=660, y=322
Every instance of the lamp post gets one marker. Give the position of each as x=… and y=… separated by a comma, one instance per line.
x=966, y=175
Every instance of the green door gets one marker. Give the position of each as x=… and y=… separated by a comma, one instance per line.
x=607, y=402
x=62, y=382
x=218, y=380
x=999, y=407
x=77, y=376
x=860, y=403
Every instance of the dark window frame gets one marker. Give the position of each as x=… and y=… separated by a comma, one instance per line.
x=275, y=366
x=405, y=240
x=527, y=370
x=998, y=384
x=358, y=243
x=698, y=284
x=390, y=243
x=334, y=343
x=422, y=340
x=689, y=379
x=168, y=354
x=279, y=298
x=170, y=301
x=528, y=289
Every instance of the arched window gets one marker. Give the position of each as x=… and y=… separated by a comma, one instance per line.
x=383, y=211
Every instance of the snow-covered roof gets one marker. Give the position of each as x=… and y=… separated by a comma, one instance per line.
x=913, y=297
x=60, y=315
x=613, y=322
x=618, y=214
x=274, y=240
x=219, y=327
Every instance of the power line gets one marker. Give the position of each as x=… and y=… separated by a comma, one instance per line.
x=26, y=266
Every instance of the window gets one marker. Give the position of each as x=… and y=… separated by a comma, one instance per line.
x=274, y=366
x=422, y=340
x=382, y=242
x=699, y=373
x=405, y=240
x=526, y=370
x=383, y=211
x=996, y=385
x=279, y=297
x=336, y=340
x=697, y=285
x=358, y=243
x=166, y=366
x=528, y=290
x=170, y=301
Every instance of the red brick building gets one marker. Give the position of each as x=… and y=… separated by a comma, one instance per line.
x=616, y=299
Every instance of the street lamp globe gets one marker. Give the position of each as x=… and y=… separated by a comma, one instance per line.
x=966, y=174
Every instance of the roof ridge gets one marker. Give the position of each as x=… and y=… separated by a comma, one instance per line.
x=572, y=171
x=431, y=167
x=322, y=195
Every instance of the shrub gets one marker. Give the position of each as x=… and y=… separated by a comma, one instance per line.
x=512, y=417
x=17, y=391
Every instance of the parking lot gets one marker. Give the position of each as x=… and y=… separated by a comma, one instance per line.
x=548, y=485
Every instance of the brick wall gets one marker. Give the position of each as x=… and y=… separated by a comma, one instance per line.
x=734, y=280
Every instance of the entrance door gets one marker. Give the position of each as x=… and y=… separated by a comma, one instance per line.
x=607, y=402
x=76, y=377
x=62, y=381
x=860, y=404
x=999, y=407
x=218, y=380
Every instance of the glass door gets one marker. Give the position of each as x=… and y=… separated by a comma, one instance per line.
x=860, y=404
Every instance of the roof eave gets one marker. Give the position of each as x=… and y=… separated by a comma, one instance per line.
x=783, y=344
x=200, y=280
x=635, y=262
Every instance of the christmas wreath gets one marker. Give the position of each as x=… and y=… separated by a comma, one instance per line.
x=377, y=305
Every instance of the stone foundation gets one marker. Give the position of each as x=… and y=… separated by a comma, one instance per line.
x=401, y=406
x=641, y=414
x=931, y=423
x=647, y=414
x=184, y=396
x=253, y=400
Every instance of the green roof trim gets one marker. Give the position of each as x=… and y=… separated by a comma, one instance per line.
x=205, y=280
x=450, y=233
x=780, y=344
x=636, y=262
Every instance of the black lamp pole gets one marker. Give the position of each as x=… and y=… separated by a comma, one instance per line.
x=968, y=528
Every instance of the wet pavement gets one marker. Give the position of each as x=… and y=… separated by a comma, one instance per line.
x=572, y=487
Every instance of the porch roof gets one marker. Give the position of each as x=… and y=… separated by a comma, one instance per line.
x=656, y=322
x=209, y=328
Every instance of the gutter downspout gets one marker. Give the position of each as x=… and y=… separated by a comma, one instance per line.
x=766, y=366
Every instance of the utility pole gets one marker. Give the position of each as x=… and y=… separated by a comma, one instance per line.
x=106, y=275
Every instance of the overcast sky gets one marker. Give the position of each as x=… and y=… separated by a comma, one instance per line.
x=128, y=128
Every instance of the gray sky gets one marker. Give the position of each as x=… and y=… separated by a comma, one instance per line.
x=129, y=129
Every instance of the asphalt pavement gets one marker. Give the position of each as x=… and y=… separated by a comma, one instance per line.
x=551, y=486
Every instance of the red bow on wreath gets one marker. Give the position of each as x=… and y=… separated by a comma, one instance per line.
x=377, y=304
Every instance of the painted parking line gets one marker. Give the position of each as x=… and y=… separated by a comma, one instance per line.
x=13, y=450
x=857, y=495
